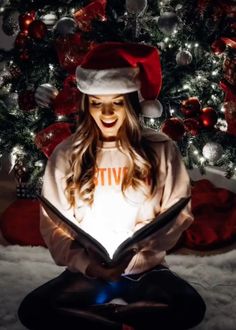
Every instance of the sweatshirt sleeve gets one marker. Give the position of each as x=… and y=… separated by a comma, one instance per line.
x=59, y=240
x=174, y=184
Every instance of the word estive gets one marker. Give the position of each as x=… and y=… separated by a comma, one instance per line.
x=110, y=176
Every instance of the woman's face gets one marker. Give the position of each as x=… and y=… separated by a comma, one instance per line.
x=109, y=112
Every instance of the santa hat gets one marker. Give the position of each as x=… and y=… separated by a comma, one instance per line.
x=120, y=68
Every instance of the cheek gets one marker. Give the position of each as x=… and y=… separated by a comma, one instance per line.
x=93, y=114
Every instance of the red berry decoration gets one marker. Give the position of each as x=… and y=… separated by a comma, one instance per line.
x=190, y=107
x=22, y=41
x=24, y=55
x=37, y=30
x=208, y=117
x=192, y=126
x=25, y=20
x=174, y=128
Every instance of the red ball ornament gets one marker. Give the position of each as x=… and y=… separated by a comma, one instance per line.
x=37, y=30
x=174, y=128
x=26, y=100
x=190, y=107
x=208, y=117
x=25, y=20
x=192, y=126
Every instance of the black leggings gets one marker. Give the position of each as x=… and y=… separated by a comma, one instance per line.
x=157, y=299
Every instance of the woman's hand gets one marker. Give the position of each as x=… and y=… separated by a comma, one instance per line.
x=99, y=270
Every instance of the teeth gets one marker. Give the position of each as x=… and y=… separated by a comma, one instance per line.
x=108, y=122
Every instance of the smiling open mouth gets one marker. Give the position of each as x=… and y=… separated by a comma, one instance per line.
x=111, y=124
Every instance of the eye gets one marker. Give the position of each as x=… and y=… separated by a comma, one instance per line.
x=119, y=103
x=95, y=103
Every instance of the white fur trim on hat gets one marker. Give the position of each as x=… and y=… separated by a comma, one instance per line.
x=109, y=81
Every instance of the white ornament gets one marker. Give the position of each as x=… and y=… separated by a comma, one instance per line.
x=151, y=108
x=45, y=94
x=184, y=57
x=212, y=151
x=49, y=19
x=168, y=23
x=135, y=7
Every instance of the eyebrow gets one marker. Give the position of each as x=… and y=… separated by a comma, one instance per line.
x=98, y=98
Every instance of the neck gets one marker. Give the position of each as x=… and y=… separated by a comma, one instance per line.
x=108, y=139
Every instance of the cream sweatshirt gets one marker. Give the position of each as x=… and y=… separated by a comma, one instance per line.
x=113, y=217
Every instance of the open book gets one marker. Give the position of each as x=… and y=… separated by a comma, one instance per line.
x=161, y=222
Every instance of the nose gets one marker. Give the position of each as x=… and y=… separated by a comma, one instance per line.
x=107, y=109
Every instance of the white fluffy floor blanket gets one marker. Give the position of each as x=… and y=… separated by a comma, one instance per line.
x=24, y=268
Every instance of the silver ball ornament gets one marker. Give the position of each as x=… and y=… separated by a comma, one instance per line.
x=212, y=151
x=45, y=94
x=135, y=6
x=65, y=26
x=168, y=23
x=184, y=57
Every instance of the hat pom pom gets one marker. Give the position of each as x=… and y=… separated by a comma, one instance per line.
x=151, y=108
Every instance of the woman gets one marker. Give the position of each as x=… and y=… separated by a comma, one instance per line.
x=110, y=178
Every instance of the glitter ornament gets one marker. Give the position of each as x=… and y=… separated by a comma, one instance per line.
x=12, y=101
x=10, y=22
x=212, y=151
x=192, y=126
x=167, y=23
x=135, y=7
x=45, y=94
x=184, y=57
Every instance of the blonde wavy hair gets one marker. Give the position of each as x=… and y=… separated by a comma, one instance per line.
x=142, y=159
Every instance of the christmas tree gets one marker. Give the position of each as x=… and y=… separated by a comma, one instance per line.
x=39, y=98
